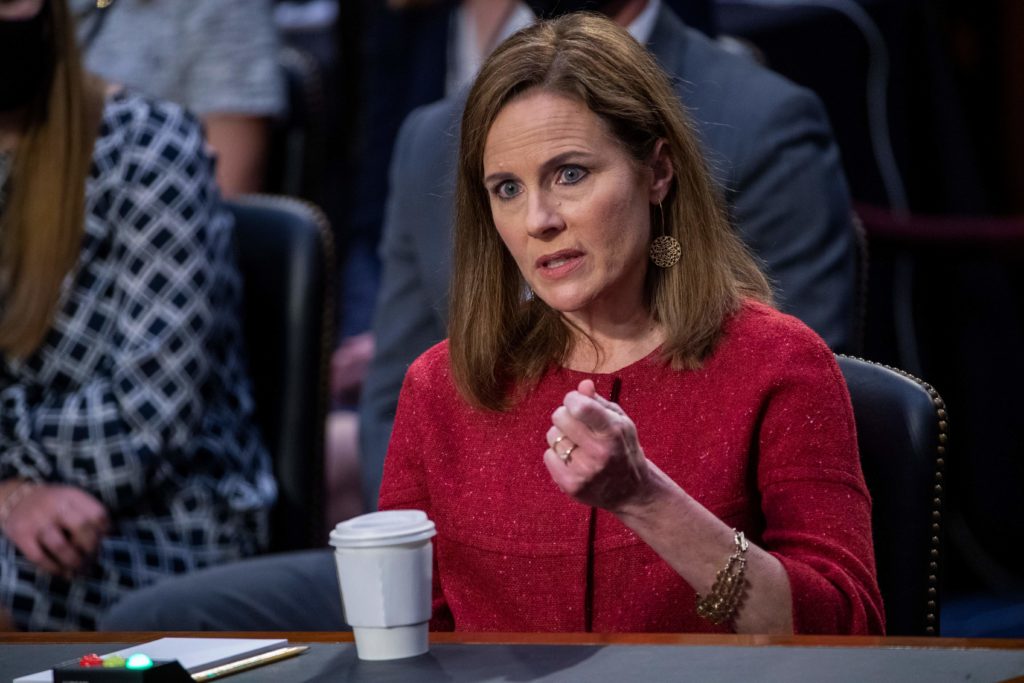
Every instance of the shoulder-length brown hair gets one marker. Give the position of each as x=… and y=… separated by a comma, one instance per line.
x=41, y=227
x=500, y=340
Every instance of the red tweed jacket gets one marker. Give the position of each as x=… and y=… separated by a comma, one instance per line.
x=762, y=435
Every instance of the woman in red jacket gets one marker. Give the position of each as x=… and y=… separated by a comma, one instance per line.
x=621, y=433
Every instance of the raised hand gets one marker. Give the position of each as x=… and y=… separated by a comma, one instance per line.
x=593, y=453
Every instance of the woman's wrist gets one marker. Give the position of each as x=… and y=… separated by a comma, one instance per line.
x=656, y=488
x=12, y=492
x=8, y=486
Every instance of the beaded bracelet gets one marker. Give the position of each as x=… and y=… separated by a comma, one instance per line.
x=723, y=600
x=12, y=499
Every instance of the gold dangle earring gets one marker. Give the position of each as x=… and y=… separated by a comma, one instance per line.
x=665, y=249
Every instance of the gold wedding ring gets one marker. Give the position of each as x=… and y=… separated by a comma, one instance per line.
x=567, y=455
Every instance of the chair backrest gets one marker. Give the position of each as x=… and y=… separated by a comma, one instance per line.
x=285, y=255
x=902, y=433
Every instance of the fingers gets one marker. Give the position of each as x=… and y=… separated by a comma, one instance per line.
x=35, y=554
x=587, y=388
x=30, y=526
x=84, y=536
x=57, y=546
x=89, y=510
x=605, y=403
x=554, y=436
x=83, y=519
x=594, y=411
x=560, y=474
x=560, y=444
x=58, y=528
x=593, y=453
x=572, y=432
x=584, y=425
x=78, y=526
x=585, y=420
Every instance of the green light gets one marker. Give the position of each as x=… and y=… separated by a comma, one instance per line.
x=139, y=661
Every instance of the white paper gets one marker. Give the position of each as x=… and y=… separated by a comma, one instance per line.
x=194, y=654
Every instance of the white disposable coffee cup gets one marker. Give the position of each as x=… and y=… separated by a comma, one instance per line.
x=384, y=564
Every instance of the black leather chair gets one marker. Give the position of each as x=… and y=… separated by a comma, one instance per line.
x=285, y=254
x=902, y=433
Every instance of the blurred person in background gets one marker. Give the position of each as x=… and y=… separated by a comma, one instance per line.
x=127, y=449
x=412, y=53
x=217, y=58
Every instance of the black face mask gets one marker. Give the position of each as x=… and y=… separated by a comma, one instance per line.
x=24, y=60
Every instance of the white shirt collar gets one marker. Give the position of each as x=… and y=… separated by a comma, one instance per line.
x=466, y=59
x=642, y=27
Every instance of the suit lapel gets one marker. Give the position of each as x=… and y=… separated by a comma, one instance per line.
x=436, y=244
x=668, y=43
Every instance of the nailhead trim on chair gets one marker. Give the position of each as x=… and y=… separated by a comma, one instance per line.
x=860, y=313
x=931, y=615
x=323, y=225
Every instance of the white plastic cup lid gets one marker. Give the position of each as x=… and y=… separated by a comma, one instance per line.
x=388, y=527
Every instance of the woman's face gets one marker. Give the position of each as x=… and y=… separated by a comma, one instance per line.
x=572, y=205
x=16, y=10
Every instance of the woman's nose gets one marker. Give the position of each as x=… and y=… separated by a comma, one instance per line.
x=544, y=216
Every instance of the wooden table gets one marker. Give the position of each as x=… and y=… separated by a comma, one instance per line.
x=586, y=657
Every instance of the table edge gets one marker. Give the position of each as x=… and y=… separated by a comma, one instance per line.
x=496, y=638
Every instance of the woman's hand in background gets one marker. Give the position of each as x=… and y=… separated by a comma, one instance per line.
x=606, y=467
x=57, y=528
x=349, y=364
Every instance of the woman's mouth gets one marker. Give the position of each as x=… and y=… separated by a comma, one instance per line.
x=560, y=263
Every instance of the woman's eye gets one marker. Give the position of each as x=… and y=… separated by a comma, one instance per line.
x=570, y=175
x=507, y=189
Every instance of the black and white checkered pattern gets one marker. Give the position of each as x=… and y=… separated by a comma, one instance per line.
x=138, y=394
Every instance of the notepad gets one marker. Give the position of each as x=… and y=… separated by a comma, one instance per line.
x=194, y=654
